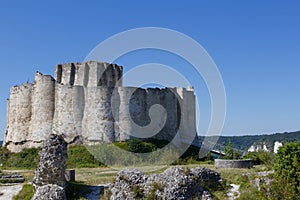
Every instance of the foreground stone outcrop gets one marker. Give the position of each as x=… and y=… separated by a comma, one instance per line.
x=49, y=178
x=174, y=183
x=53, y=192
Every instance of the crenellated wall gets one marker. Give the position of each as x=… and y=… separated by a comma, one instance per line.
x=86, y=103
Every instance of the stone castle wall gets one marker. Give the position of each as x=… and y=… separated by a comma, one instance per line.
x=86, y=103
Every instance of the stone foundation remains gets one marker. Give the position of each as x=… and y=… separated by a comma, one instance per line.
x=220, y=163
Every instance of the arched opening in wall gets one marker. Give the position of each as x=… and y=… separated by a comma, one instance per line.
x=72, y=75
x=59, y=73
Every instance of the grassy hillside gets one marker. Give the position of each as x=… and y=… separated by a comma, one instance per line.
x=242, y=143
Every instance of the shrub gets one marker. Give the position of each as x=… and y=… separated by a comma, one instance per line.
x=287, y=172
x=4, y=155
x=26, y=159
x=228, y=151
x=79, y=156
x=261, y=158
x=137, y=191
x=138, y=146
x=236, y=154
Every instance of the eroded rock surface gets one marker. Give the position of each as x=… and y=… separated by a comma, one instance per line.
x=49, y=179
x=174, y=183
x=49, y=192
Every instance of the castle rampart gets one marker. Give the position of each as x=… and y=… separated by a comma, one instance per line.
x=87, y=103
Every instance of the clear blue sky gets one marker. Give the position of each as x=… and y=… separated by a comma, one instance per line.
x=255, y=44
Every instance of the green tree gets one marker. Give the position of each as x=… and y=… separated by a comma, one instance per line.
x=287, y=172
x=228, y=151
x=261, y=158
x=236, y=154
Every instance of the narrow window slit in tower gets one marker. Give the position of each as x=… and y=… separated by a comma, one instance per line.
x=72, y=75
x=59, y=73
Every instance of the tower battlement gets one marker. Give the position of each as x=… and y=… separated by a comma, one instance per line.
x=89, y=74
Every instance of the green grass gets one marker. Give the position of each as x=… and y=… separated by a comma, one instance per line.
x=26, y=193
x=95, y=176
x=242, y=177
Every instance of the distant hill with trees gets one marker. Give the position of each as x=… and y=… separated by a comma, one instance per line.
x=242, y=143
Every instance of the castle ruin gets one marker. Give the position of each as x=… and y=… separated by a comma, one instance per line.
x=87, y=103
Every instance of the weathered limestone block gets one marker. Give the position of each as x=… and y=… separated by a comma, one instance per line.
x=52, y=165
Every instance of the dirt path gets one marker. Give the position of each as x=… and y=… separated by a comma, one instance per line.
x=8, y=191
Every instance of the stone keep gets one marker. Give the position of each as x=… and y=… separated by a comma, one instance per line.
x=87, y=104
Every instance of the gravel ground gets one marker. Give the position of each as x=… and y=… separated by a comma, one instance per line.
x=8, y=191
